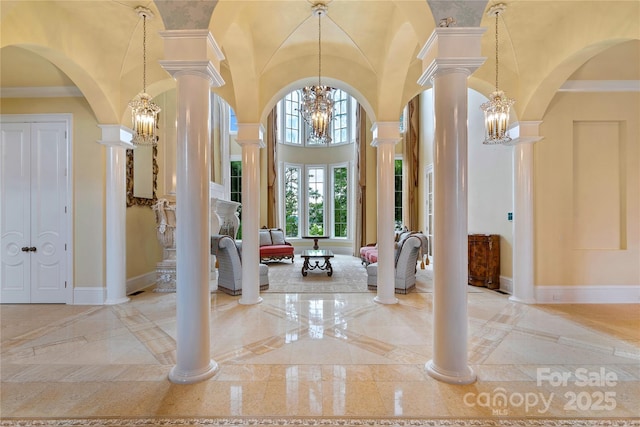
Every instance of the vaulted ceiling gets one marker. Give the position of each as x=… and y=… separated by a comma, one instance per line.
x=369, y=47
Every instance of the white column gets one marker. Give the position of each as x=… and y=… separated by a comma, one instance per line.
x=250, y=138
x=449, y=57
x=188, y=53
x=385, y=136
x=117, y=139
x=523, y=287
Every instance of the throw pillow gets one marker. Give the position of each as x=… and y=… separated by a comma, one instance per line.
x=265, y=238
x=277, y=236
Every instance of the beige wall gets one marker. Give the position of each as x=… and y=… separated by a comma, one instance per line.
x=587, y=191
x=88, y=171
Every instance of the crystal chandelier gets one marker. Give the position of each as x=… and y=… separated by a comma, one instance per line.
x=144, y=113
x=317, y=101
x=496, y=111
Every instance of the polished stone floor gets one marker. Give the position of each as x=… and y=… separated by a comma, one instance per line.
x=319, y=359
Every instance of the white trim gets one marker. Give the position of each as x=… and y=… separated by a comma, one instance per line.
x=67, y=118
x=506, y=284
x=601, y=294
x=89, y=295
x=600, y=86
x=140, y=282
x=41, y=92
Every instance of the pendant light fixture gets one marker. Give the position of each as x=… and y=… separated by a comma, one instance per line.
x=496, y=110
x=144, y=113
x=317, y=101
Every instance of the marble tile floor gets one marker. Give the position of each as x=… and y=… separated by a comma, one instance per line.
x=320, y=359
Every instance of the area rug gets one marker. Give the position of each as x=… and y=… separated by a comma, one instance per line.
x=349, y=275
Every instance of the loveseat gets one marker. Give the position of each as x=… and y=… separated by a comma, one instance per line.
x=408, y=249
x=229, y=256
x=273, y=246
x=369, y=253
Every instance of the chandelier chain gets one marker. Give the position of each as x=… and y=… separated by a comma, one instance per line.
x=319, y=47
x=497, y=51
x=144, y=53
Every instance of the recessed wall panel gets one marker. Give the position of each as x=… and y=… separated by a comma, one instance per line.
x=598, y=167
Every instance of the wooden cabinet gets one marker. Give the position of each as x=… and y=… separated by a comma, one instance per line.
x=484, y=260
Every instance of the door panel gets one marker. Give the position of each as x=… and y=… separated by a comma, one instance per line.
x=47, y=212
x=15, y=152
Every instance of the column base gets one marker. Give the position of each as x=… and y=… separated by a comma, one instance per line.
x=468, y=377
x=522, y=301
x=116, y=301
x=177, y=377
x=379, y=300
x=250, y=302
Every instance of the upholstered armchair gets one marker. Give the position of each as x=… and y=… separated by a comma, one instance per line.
x=406, y=258
x=229, y=256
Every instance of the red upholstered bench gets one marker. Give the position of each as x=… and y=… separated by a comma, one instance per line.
x=273, y=246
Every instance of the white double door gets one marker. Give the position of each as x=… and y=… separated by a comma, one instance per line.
x=33, y=212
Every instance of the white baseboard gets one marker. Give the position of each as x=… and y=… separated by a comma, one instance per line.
x=140, y=282
x=506, y=284
x=98, y=295
x=89, y=295
x=587, y=294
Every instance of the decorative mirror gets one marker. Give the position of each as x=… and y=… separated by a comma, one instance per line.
x=142, y=175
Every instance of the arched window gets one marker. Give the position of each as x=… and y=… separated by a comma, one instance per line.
x=294, y=130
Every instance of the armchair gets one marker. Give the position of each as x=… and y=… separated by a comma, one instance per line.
x=406, y=259
x=229, y=257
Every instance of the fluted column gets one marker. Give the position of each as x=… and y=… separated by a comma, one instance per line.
x=189, y=56
x=385, y=136
x=117, y=139
x=449, y=57
x=523, y=286
x=250, y=138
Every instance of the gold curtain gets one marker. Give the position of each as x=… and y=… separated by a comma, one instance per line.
x=411, y=160
x=361, y=175
x=272, y=168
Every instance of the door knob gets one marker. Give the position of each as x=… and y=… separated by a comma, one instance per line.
x=32, y=249
x=25, y=249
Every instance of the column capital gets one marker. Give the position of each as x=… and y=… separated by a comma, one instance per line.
x=250, y=133
x=385, y=133
x=192, y=52
x=116, y=136
x=451, y=48
x=525, y=132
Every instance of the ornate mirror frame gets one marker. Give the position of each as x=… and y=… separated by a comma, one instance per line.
x=131, y=199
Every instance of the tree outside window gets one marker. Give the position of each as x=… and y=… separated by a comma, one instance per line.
x=315, y=188
x=292, y=200
x=340, y=201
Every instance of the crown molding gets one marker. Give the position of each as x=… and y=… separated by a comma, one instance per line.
x=600, y=86
x=41, y=92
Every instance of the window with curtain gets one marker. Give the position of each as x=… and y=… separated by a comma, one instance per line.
x=236, y=188
x=398, y=193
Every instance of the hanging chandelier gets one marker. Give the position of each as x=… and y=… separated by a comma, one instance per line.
x=144, y=113
x=317, y=101
x=496, y=110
